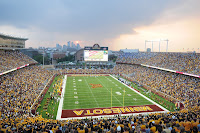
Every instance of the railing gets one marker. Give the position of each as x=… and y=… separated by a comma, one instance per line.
x=14, y=69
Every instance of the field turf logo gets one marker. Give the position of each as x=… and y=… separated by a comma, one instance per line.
x=96, y=85
x=109, y=111
x=116, y=110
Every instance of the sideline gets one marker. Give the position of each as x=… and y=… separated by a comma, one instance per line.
x=59, y=112
x=41, y=93
x=165, y=110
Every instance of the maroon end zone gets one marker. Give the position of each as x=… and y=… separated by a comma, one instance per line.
x=109, y=111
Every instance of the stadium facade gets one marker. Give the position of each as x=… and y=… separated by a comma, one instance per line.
x=10, y=42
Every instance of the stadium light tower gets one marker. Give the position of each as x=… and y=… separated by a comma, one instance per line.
x=152, y=41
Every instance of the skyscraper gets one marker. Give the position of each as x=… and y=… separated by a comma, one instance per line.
x=64, y=47
x=68, y=44
x=73, y=45
x=58, y=46
x=78, y=46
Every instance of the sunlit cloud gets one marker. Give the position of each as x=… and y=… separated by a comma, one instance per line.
x=103, y=22
x=182, y=34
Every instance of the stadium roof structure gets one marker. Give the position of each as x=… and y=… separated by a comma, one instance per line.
x=12, y=37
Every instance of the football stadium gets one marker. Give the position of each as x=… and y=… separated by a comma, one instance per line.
x=139, y=89
x=116, y=80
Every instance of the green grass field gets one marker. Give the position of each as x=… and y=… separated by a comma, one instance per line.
x=79, y=93
x=159, y=100
x=53, y=104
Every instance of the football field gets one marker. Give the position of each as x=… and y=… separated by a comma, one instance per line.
x=87, y=95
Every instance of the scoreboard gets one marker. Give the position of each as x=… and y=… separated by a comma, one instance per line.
x=96, y=53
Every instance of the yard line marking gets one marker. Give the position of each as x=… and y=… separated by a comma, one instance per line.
x=91, y=92
x=135, y=99
x=118, y=93
x=109, y=91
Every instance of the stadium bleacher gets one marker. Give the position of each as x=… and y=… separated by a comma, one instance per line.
x=183, y=88
x=20, y=88
x=182, y=62
x=11, y=59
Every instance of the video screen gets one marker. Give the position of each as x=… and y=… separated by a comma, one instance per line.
x=96, y=55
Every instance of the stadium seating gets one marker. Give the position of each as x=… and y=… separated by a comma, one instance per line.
x=170, y=122
x=12, y=59
x=19, y=89
x=184, y=88
x=183, y=62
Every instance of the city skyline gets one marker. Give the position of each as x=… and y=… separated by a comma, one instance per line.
x=113, y=23
x=70, y=44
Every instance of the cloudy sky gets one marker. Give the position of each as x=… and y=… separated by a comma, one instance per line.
x=118, y=24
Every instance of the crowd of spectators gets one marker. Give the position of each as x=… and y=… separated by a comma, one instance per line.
x=19, y=89
x=183, y=62
x=173, y=122
x=12, y=59
x=183, y=88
